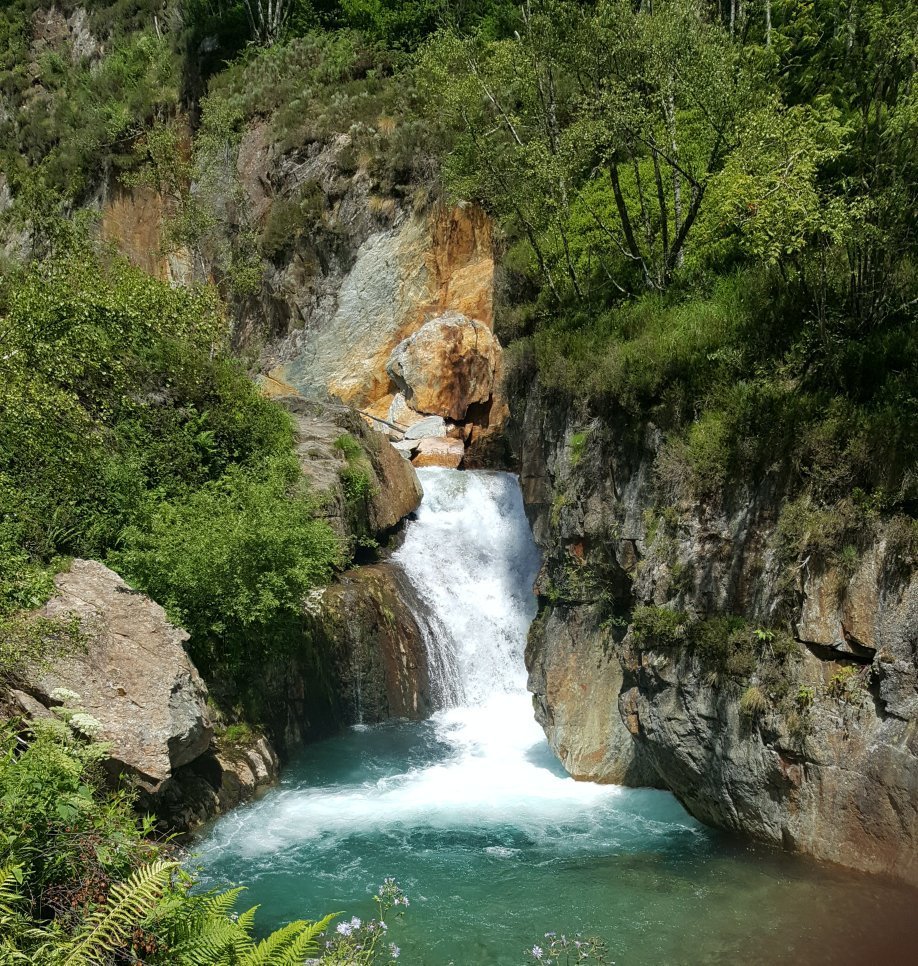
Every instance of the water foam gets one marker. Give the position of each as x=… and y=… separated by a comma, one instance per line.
x=471, y=558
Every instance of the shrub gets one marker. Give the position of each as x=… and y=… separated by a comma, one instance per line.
x=658, y=627
x=233, y=560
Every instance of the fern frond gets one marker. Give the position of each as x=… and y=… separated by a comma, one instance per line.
x=209, y=945
x=265, y=952
x=289, y=945
x=221, y=903
x=129, y=903
x=306, y=944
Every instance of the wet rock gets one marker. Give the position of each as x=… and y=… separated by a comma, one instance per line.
x=446, y=366
x=575, y=678
x=368, y=618
x=444, y=452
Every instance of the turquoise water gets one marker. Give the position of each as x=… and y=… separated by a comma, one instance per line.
x=493, y=843
x=632, y=867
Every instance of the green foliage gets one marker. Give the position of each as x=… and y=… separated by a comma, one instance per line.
x=69, y=130
x=658, y=627
x=724, y=645
x=847, y=684
x=69, y=838
x=82, y=884
x=349, y=447
x=130, y=433
x=234, y=561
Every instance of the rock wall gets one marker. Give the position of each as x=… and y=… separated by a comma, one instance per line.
x=832, y=768
x=347, y=276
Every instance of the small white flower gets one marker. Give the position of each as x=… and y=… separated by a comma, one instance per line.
x=394, y=951
x=86, y=724
x=536, y=952
x=345, y=928
x=66, y=696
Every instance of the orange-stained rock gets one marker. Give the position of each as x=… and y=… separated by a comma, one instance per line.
x=446, y=366
x=424, y=267
x=461, y=263
x=439, y=451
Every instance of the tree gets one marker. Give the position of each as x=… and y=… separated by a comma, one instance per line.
x=610, y=117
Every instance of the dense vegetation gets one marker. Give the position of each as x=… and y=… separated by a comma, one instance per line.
x=130, y=435
x=707, y=211
x=715, y=223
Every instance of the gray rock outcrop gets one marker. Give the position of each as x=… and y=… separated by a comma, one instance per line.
x=130, y=672
x=830, y=768
x=132, y=675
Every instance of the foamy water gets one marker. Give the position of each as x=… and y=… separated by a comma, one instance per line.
x=471, y=558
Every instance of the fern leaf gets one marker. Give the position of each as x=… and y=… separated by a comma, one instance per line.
x=129, y=903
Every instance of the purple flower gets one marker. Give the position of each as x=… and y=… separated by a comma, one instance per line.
x=345, y=928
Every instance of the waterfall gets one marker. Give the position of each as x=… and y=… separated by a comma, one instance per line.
x=471, y=558
x=475, y=818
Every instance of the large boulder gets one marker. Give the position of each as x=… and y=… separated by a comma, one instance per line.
x=420, y=267
x=446, y=366
x=132, y=675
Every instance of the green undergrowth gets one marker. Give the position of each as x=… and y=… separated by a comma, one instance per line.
x=131, y=436
x=84, y=883
x=729, y=650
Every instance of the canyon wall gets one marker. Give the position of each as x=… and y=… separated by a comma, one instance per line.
x=679, y=645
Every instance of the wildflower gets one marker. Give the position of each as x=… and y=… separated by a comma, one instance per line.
x=86, y=724
x=383, y=926
x=550, y=935
x=394, y=951
x=355, y=923
x=345, y=928
x=537, y=952
x=66, y=696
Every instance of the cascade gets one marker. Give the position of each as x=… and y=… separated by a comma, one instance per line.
x=478, y=822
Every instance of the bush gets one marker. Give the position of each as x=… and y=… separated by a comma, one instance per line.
x=658, y=627
x=233, y=561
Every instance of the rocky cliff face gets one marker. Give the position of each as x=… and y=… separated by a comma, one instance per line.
x=678, y=645
x=346, y=277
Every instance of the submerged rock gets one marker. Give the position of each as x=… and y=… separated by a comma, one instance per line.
x=439, y=452
x=446, y=366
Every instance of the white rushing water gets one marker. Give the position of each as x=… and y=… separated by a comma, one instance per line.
x=471, y=558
